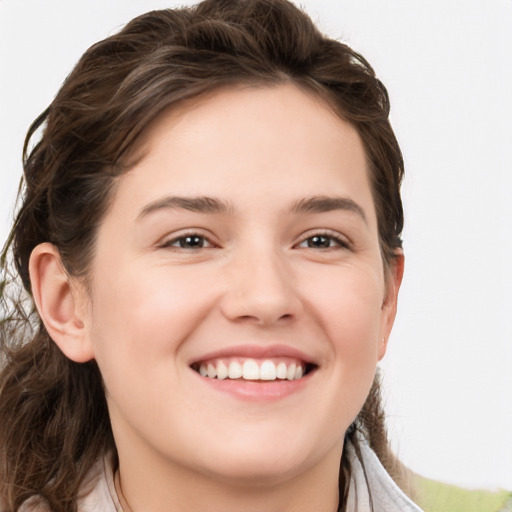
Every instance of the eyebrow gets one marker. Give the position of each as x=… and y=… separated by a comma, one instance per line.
x=321, y=204
x=202, y=204
x=205, y=204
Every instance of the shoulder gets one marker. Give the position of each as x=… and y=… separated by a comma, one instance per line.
x=97, y=492
x=371, y=487
x=34, y=504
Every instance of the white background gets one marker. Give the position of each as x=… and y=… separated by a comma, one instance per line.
x=448, y=67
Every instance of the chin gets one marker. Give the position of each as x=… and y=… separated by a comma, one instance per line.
x=267, y=460
x=260, y=469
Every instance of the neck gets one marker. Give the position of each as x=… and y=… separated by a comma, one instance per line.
x=182, y=490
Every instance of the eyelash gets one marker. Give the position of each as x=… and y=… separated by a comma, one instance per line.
x=339, y=242
x=203, y=242
x=172, y=243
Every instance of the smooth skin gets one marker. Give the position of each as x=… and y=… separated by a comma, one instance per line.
x=272, y=262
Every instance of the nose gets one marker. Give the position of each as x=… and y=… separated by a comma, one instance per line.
x=261, y=289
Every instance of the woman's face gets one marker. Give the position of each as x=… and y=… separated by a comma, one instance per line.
x=244, y=241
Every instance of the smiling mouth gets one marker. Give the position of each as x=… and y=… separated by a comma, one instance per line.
x=250, y=369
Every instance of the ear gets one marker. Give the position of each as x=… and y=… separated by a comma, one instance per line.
x=60, y=303
x=394, y=277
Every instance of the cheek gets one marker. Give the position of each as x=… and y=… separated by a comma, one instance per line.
x=350, y=316
x=349, y=304
x=142, y=315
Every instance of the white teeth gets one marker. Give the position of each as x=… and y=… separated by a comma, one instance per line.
x=251, y=370
x=222, y=370
x=281, y=370
x=268, y=371
x=235, y=370
x=212, y=372
x=290, y=372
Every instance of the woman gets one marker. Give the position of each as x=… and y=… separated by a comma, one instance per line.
x=210, y=234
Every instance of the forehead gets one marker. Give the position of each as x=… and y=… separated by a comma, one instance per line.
x=244, y=108
x=276, y=143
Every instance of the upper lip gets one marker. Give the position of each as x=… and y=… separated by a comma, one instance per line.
x=255, y=352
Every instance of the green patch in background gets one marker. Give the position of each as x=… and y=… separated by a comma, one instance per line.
x=435, y=496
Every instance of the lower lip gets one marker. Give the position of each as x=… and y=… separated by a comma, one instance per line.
x=258, y=390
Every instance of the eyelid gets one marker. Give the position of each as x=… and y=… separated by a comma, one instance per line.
x=168, y=241
x=341, y=241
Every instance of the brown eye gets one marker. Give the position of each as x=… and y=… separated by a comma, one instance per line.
x=319, y=242
x=191, y=241
x=323, y=241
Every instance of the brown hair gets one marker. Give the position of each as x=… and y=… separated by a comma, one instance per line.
x=53, y=416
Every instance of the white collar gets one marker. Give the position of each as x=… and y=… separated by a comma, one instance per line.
x=385, y=493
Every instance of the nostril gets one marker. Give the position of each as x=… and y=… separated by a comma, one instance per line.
x=263, y=319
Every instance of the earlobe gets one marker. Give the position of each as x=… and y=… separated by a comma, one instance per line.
x=59, y=303
x=389, y=306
